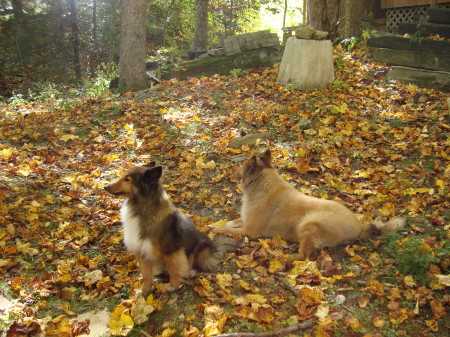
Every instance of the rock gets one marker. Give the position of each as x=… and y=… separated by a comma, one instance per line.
x=249, y=140
x=320, y=35
x=307, y=64
x=304, y=33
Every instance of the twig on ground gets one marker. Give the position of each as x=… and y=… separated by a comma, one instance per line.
x=292, y=329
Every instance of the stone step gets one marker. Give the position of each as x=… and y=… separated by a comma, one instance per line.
x=416, y=59
x=439, y=80
x=426, y=29
x=439, y=15
x=404, y=43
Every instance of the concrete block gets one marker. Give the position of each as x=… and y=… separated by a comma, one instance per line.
x=306, y=64
x=273, y=41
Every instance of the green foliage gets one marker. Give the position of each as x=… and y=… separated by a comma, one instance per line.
x=98, y=86
x=413, y=255
x=351, y=42
x=236, y=73
x=417, y=36
x=340, y=84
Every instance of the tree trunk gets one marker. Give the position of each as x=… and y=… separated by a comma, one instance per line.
x=341, y=18
x=305, y=10
x=201, y=25
x=75, y=39
x=17, y=8
x=324, y=15
x=132, y=75
x=93, y=55
x=285, y=13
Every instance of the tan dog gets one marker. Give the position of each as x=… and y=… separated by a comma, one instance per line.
x=271, y=206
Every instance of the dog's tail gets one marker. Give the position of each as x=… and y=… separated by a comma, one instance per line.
x=210, y=257
x=375, y=227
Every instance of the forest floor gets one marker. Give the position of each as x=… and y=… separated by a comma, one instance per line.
x=381, y=148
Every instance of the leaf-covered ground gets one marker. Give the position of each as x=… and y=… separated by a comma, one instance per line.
x=380, y=148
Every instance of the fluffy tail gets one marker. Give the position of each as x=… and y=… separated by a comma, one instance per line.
x=210, y=257
x=376, y=227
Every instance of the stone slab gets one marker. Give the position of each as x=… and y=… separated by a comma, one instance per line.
x=307, y=64
x=439, y=80
x=416, y=59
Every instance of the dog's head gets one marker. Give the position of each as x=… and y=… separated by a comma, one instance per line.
x=137, y=180
x=254, y=166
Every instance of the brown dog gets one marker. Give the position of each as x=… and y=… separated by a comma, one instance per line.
x=160, y=236
x=271, y=206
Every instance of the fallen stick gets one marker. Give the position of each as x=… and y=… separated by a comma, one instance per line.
x=292, y=329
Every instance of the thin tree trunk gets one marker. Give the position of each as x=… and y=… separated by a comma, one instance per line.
x=75, y=39
x=201, y=25
x=285, y=13
x=132, y=75
x=94, y=38
x=115, y=23
x=169, y=9
x=305, y=10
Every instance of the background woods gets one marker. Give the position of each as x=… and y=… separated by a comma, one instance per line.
x=60, y=41
x=65, y=41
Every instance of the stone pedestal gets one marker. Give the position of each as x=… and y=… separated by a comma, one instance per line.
x=306, y=64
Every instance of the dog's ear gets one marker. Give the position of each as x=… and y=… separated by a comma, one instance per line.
x=250, y=165
x=266, y=158
x=151, y=164
x=153, y=174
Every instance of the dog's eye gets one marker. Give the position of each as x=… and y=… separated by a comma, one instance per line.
x=127, y=178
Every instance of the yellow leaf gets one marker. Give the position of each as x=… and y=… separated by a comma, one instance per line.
x=6, y=153
x=24, y=170
x=205, y=284
x=140, y=311
x=443, y=279
x=275, y=266
x=120, y=323
x=378, y=322
x=432, y=325
x=353, y=323
x=441, y=186
x=65, y=138
x=224, y=280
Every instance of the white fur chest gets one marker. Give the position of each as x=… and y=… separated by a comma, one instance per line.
x=131, y=234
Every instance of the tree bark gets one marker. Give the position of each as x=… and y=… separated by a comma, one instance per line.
x=75, y=39
x=201, y=25
x=17, y=8
x=324, y=15
x=341, y=18
x=132, y=75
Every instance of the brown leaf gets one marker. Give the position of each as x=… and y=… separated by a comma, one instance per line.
x=363, y=301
